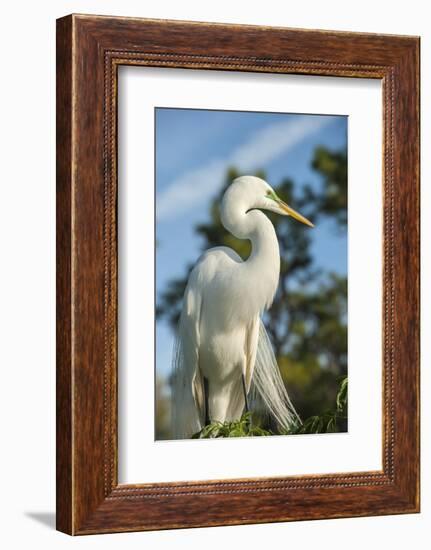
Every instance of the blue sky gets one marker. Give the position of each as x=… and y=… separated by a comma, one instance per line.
x=193, y=150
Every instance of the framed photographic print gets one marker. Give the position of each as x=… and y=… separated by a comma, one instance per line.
x=237, y=274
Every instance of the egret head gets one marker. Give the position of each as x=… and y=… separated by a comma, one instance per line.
x=260, y=195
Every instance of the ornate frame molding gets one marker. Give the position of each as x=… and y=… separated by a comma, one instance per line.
x=90, y=49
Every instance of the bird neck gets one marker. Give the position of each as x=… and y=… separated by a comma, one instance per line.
x=262, y=268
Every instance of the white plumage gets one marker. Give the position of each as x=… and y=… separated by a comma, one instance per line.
x=222, y=349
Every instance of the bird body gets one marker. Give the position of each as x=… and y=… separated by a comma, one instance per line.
x=225, y=333
x=220, y=331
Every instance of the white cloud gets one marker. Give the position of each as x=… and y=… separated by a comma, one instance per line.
x=194, y=186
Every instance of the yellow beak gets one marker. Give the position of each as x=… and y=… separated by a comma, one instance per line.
x=291, y=212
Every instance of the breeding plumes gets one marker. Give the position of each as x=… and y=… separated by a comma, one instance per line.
x=223, y=354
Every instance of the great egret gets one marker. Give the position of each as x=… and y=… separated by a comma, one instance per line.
x=222, y=349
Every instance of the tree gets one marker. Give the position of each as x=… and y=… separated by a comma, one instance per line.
x=307, y=322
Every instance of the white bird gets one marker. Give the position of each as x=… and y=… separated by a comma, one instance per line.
x=222, y=348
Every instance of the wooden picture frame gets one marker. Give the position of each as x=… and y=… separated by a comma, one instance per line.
x=89, y=51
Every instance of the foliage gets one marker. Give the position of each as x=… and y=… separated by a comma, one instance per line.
x=330, y=421
x=334, y=420
x=238, y=428
x=307, y=323
x=333, y=167
x=163, y=410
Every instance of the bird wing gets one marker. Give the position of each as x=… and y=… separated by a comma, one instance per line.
x=187, y=388
x=268, y=384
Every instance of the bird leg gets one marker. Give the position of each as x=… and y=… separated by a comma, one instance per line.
x=244, y=388
x=207, y=411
